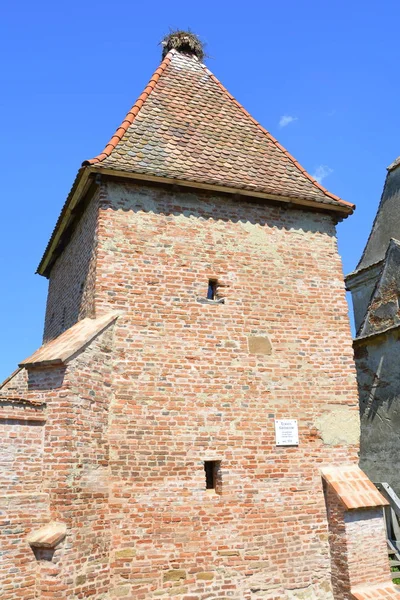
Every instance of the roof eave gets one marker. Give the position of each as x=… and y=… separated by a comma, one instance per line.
x=81, y=185
x=345, y=209
x=75, y=195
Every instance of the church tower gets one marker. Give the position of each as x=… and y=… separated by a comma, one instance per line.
x=189, y=428
x=375, y=289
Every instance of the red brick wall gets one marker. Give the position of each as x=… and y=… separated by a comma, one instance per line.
x=19, y=515
x=72, y=278
x=21, y=442
x=186, y=389
x=358, y=546
x=22, y=505
x=55, y=466
x=174, y=382
x=76, y=472
x=15, y=386
x=365, y=529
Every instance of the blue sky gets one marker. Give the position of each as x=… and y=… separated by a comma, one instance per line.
x=321, y=76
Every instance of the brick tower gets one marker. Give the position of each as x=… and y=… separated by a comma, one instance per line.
x=189, y=428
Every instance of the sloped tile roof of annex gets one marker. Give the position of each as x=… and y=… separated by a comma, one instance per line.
x=59, y=350
x=186, y=126
x=353, y=487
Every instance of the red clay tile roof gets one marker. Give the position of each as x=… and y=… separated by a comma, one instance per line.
x=63, y=347
x=186, y=126
x=376, y=592
x=353, y=487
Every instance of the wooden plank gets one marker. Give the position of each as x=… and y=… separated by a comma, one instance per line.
x=393, y=549
x=395, y=524
x=225, y=189
x=387, y=517
x=390, y=495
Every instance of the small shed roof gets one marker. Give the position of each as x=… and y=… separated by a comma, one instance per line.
x=63, y=347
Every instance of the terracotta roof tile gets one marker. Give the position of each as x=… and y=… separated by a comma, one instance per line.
x=353, y=487
x=62, y=348
x=376, y=592
x=186, y=126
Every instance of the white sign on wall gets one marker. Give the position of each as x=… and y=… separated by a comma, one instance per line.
x=286, y=432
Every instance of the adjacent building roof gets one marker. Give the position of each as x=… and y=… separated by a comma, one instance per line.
x=381, y=591
x=387, y=221
x=63, y=347
x=186, y=126
x=353, y=487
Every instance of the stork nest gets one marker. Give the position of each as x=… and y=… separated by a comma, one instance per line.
x=185, y=42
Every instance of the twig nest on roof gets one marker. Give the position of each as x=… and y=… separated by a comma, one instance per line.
x=185, y=42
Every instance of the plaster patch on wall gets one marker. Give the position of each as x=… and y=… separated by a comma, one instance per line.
x=339, y=425
x=259, y=345
x=268, y=242
x=95, y=477
x=257, y=234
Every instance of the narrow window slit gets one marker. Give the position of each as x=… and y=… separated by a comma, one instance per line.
x=212, y=296
x=212, y=289
x=211, y=468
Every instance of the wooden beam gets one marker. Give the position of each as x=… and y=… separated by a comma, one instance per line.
x=225, y=190
x=83, y=183
x=65, y=216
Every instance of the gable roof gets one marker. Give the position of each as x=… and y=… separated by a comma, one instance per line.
x=186, y=126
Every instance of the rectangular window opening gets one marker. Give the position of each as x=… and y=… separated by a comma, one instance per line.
x=212, y=289
x=212, y=471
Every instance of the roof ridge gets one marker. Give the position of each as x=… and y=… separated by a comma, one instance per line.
x=132, y=113
x=370, y=237
x=274, y=140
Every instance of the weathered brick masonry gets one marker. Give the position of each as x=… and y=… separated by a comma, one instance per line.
x=149, y=380
x=71, y=285
x=186, y=388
